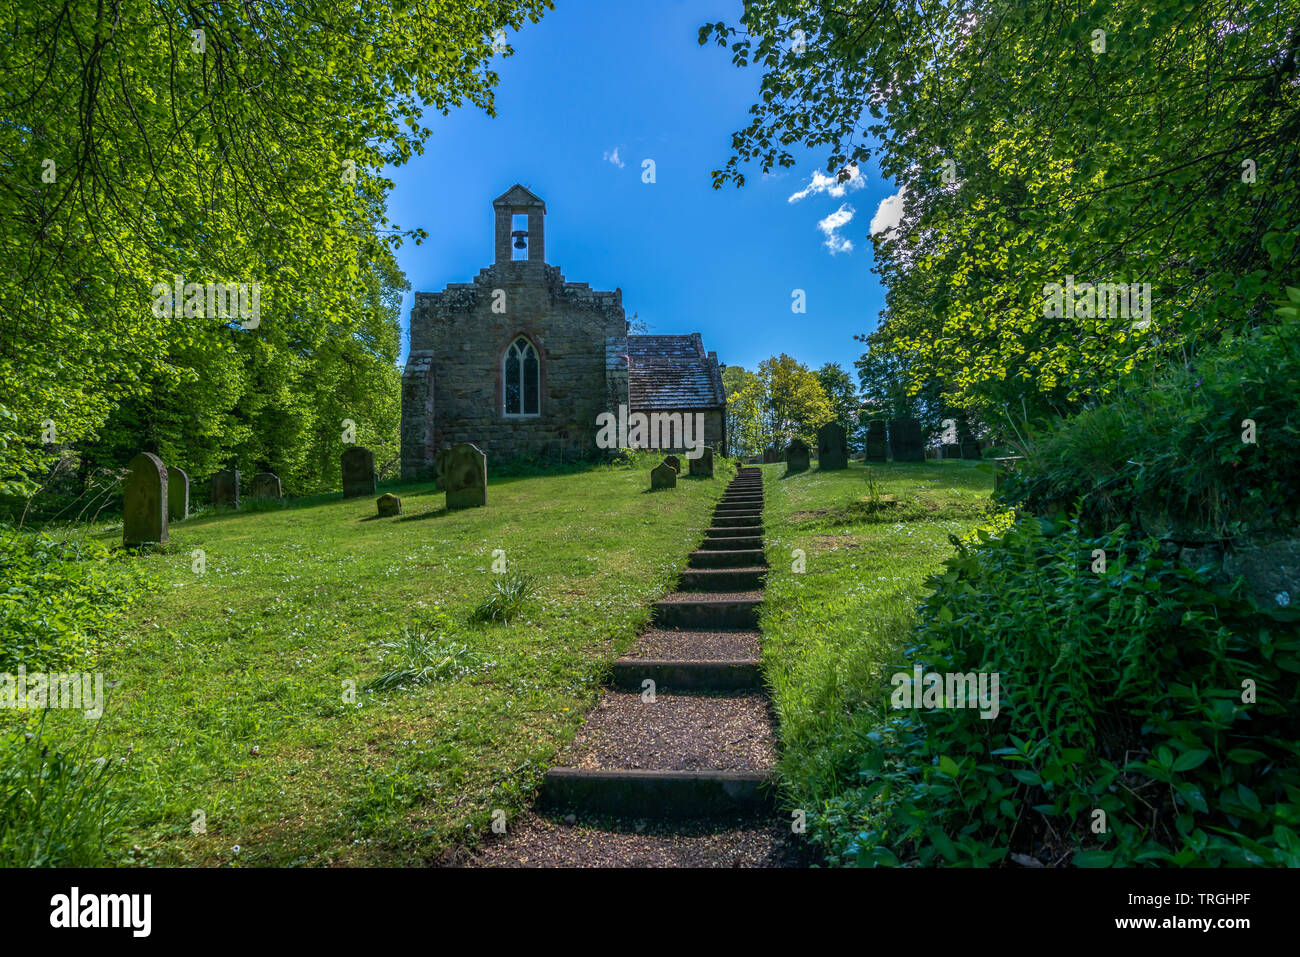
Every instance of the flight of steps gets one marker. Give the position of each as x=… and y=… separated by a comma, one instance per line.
x=683, y=779
x=708, y=745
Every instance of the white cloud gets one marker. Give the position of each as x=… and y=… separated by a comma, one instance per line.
x=889, y=214
x=831, y=185
x=613, y=157
x=831, y=225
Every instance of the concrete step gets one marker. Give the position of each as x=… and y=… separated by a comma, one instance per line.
x=723, y=579
x=730, y=543
x=738, y=511
x=734, y=558
x=735, y=521
x=742, y=503
x=657, y=794
x=702, y=611
x=690, y=675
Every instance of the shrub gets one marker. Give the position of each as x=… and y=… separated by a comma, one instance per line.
x=59, y=601
x=1166, y=451
x=1120, y=692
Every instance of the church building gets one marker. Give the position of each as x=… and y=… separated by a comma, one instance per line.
x=521, y=362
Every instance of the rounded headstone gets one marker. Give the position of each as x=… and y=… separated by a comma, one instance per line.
x=358, y=471
x=178, y=494
x=225, y=488
x=144, y=502
x=796, y=456
x=265, y=485
x=464, y=472
x=389, y=504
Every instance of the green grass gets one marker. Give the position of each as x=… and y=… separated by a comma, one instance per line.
x=241, y=692
x=833, y=633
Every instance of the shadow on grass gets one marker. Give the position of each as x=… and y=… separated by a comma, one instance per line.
x=432, y=513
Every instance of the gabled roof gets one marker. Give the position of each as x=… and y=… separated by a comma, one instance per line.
x=672, y=372
x=518, y=195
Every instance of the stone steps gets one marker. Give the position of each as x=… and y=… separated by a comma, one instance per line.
x=726, y=557
x=704, y=745
x=744, y=578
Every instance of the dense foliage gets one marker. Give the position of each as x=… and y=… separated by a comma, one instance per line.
x=782, y=401
x=226, y=143
x=1111, y=140
x=1145, y=692
x=1208, y=448
x=61, y=601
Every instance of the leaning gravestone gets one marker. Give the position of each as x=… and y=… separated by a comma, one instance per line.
x=702, y=467
x=265, y=485
x=389, y=504
x=663, y=475
x=144, y=502
x=675, y=462
x=464, y=474
x=358, y=471
x=796, y=456
x=906, y=441
x=832, y=447
x=877, y=448
x=178, y=494
x=225, y=489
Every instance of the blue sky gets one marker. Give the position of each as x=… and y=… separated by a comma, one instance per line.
x=593, y=77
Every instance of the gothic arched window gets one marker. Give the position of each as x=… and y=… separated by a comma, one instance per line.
x=521, y=379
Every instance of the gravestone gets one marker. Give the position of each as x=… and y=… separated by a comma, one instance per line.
x=1003, y=467
x=389, y=504
x=144, y=502
x=663, y=475
x=225, y=489
x=178, y=494
x=702, y=467
x=950, y=450
x=771, y=455
x=675, y=462
x=358, y=471
x=906, y=442
x=796, y=456
x=265, y=485
x=877, y=448
x=832, y=447
x=970, y=448
x=464, y=473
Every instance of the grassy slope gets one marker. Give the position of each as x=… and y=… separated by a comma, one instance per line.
x=254, y=653
x=834, y=631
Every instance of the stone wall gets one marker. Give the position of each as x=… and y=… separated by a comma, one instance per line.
x=452, y=385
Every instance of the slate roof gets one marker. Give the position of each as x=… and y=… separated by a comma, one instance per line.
x=672, y=372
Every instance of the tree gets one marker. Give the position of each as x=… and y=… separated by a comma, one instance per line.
x=1034, y=142
x=843, y=398
x=794, y=404
x=222, y=143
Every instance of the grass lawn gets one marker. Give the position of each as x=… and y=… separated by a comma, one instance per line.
x=231, y=693
x=835, y=631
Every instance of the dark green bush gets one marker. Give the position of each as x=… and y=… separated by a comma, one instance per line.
x=1167, y=452
x=59, y=600
x=1121, y=691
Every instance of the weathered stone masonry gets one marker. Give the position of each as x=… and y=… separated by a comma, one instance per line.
x=453, y=387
